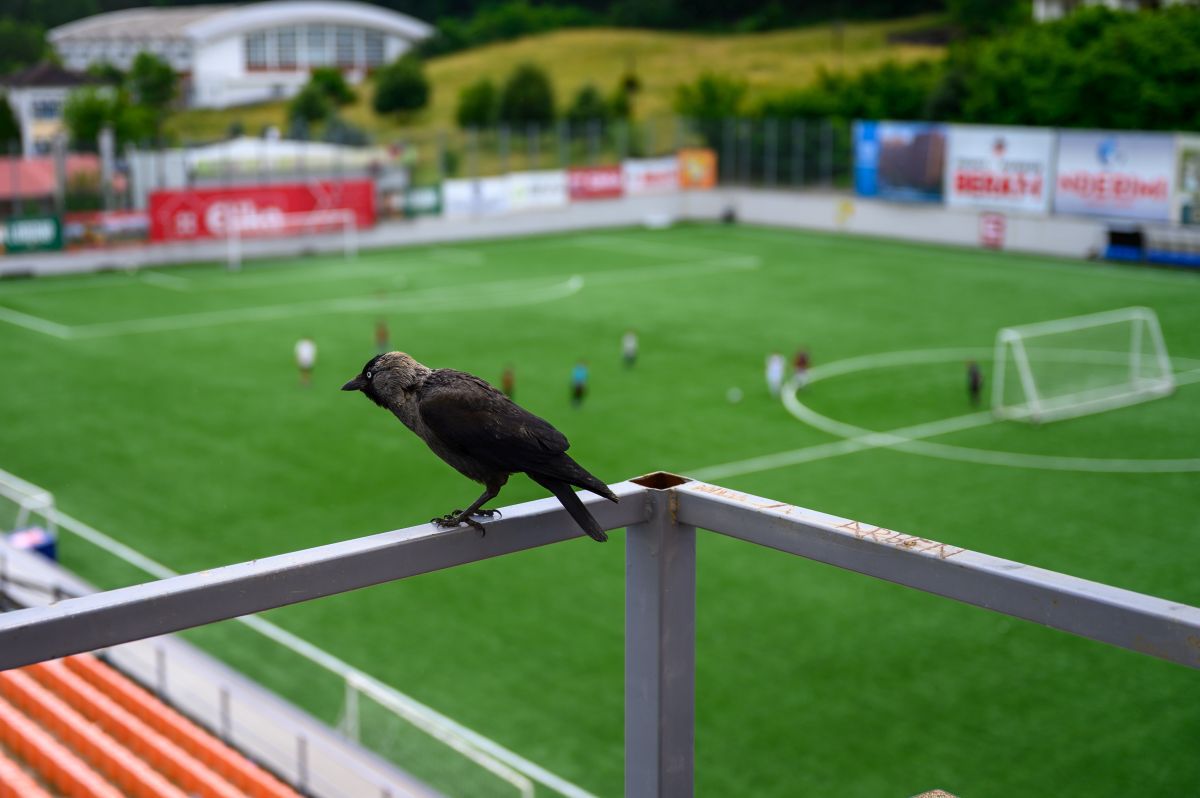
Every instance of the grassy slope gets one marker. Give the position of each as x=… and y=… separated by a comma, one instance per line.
x=768, y=62
x=198, y=448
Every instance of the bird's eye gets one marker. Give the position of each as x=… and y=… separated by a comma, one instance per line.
x=368, y=375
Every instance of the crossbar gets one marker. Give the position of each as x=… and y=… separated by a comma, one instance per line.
x=662, y=512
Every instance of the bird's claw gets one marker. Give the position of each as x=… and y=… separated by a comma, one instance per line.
x=450, y=520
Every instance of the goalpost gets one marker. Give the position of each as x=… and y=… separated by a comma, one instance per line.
x=1086, y=364
x=335, y=221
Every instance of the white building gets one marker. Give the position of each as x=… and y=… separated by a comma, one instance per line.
x=232, y=55
x=37, y=96
x=1049, y=10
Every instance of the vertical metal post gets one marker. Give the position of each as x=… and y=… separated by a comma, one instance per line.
x=660, y=653
x=531, y=143
x=564, y=134
x=160, y=672
x=14, y=154
x=728, y=136
x=747, y=132
x=770, y=144
x=302, y=763
x=826, y=152
x=59, y=150
x=503, y=147
x=473, y=153
x=593, y=141
x=226, y=715
x=351, y=711
x=441, y=155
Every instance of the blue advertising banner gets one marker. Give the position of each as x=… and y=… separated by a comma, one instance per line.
x=902, y=161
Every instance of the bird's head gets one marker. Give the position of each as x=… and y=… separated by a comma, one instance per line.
x=388, y=378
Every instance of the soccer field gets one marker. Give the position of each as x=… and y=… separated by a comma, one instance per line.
x=165, y=409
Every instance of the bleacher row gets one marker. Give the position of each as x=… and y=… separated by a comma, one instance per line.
x=77, y=727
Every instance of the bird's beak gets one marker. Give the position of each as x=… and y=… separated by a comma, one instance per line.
x=356, y=384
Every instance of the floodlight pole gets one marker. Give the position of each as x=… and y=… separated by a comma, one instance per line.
x=660, y=647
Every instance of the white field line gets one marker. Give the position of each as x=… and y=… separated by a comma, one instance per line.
x=35, y=323
x=908, y=439
x=467, y=741
x=490, y=295
x=638, y=246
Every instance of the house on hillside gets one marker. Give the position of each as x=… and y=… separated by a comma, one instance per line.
x=37, y=96
x=233, y=55
x=1049, y=10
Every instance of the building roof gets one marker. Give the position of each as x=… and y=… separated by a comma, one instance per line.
x=201, y=23
x=46, y=75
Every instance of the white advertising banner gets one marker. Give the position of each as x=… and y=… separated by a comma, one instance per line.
x=1187, y=188
x=1108, y=173
x=1004, y=168
x=484, y=196
x=543, y=189
x=650, y=175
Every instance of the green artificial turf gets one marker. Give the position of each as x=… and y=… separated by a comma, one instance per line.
x=173, y=420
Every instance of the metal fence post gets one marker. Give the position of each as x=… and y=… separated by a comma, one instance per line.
x=660, y=653
x=826, y=152
x=770, y=144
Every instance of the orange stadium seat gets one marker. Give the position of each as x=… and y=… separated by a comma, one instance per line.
x=16, y=783
x=69, y=774
x=160, y=753
x=130, y=774
x=235, y=768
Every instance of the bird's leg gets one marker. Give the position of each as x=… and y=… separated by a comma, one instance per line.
x=464, y=516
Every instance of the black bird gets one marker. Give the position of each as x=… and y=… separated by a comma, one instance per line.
x=479, y=431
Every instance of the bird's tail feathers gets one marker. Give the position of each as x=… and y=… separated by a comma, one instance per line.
x=562, y=491
x=574, y=473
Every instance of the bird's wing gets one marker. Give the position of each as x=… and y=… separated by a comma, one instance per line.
x=472, y=416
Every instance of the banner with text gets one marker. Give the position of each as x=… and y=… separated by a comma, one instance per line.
x=902, y=161
x=594, y=182
x=1187, y=186
x=541, y=189
x=650, y=175
x=697, y=168
x=32, y=234
x=482, y=196
x=105, y=228
x=1005, y=168
x=1109, y=173
x=194, y=214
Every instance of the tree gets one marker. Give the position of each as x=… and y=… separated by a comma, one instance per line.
x=401, y=86
x=21, y=45
x=588, y=105
x=310, y=105
x=332, y=83
x=85, y=113
x=10, y=131
x=986, y=17
x=478, y=105
x=527, y=97
x=711, y=97
x=152, y=82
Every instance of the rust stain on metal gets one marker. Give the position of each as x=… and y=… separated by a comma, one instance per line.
x=890, y=537
x=724, y=493
x=783, y=507
x=1194, y=642
x=673, y=506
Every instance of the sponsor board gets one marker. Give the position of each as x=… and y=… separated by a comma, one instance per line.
x=423, y=200
x=594, y=182
x=540, y=189
x=1187, y=179
x=650, y=175
x=33, y=234
x=1115, y=174
x=104, y=228
x=483, y=196
x=697, y=168
x=992, y=227
x=1005, y=168
x=903, y=161
x=194, y=214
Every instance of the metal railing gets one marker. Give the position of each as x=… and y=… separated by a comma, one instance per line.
x=662, y=512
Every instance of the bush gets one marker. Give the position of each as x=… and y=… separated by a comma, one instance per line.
x=710, y=97
x=588, y=105
x=89, y=110
x=478, y=105
x=527, y=98
x=310, y=104
x=332, y=83
x=401, y=87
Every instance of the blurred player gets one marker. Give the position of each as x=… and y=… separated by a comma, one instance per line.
x=800, y=364
x=974, y=382
x=306, y=358
x=629, y=348
x=776, y=365
x=508, y=382
x=382, y=337
x=579, y=381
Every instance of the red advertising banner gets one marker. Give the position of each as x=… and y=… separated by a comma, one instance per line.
x=595, y=182
x=207, y=213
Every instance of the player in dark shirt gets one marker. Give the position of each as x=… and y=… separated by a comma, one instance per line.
x=974, y=382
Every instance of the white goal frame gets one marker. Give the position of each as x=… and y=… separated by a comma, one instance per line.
x=1144, y=327
x=343, y=217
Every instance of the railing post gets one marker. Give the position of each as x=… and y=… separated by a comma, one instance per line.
x=660, y=653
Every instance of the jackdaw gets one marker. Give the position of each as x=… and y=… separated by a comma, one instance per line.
x=479, y=431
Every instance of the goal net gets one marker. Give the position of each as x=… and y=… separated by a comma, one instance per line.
x=335, y=228
x=1086, y=364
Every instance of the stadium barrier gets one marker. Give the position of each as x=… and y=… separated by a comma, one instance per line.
x=662, y=513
